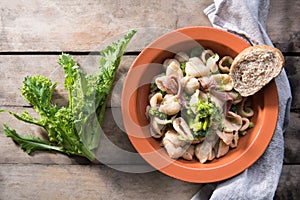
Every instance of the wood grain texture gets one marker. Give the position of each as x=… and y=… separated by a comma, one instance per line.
x=88, y=182
x=85, y=26
x=292, y=140
x=23, y=181
x=77, y=26
x=288, y=187
x=292, y=68
x=283, y=25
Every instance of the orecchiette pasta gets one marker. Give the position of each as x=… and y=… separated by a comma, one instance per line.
x=206, y=54
x=168, y=61
x=170, y=105
x=175, y=147
x=192, y=85
x=225, y=63
x=173, y=69
x=182, y=56
x=196, y=68
x=194, y=109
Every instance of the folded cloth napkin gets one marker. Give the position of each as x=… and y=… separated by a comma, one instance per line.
x=247, y=18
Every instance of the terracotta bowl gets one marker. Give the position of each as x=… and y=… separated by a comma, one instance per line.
x=135, y=99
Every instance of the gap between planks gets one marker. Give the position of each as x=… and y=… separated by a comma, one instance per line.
x=51, y=53
x=95, y=53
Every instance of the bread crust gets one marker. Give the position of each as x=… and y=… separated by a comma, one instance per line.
x=254, y=68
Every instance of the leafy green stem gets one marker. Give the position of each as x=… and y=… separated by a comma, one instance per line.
x=30, y=143
x=75, y=129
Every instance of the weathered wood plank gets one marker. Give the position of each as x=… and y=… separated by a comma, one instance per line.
x=88, y=182
x=76, y=26
x=288, y=187
x=283, y=25
x=13, y=69
x=70, y=26
x=292, y=68
x=100, y=182
x=292, y=140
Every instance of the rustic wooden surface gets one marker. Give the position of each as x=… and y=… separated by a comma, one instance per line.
x=33, y=34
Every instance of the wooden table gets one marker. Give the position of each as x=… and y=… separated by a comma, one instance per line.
x=34, y=33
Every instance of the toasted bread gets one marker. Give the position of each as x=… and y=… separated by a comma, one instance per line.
x=254, y=68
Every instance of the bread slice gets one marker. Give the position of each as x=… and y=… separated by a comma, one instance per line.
x=254, y=68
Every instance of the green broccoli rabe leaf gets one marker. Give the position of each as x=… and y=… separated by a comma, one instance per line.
x=29, y=143
x=75, y=129
x=25, y=117
x=71, y=72
x=63, y=131
x=109, y=62
x=37, y=90
x=70, y=68
x=91, y=91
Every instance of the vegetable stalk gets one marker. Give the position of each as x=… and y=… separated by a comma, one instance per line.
x=75, y=129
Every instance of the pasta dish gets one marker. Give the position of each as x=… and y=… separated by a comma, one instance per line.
x=194, y=110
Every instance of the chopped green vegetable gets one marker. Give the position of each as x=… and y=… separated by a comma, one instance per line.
x=153, y=86
x=204, y=108
x=251, y=125
x=158, y=114
x=197, y=126
x=182, y=66
x=206, y=114
x=75, y=129
x=200, y=134
x=205, y=124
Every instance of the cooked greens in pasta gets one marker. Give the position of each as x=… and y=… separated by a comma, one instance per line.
x=194, y=109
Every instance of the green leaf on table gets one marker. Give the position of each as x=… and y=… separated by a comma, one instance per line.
x=74, y=129
x=91, y=92
x=29, y=143
x=37, y=90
